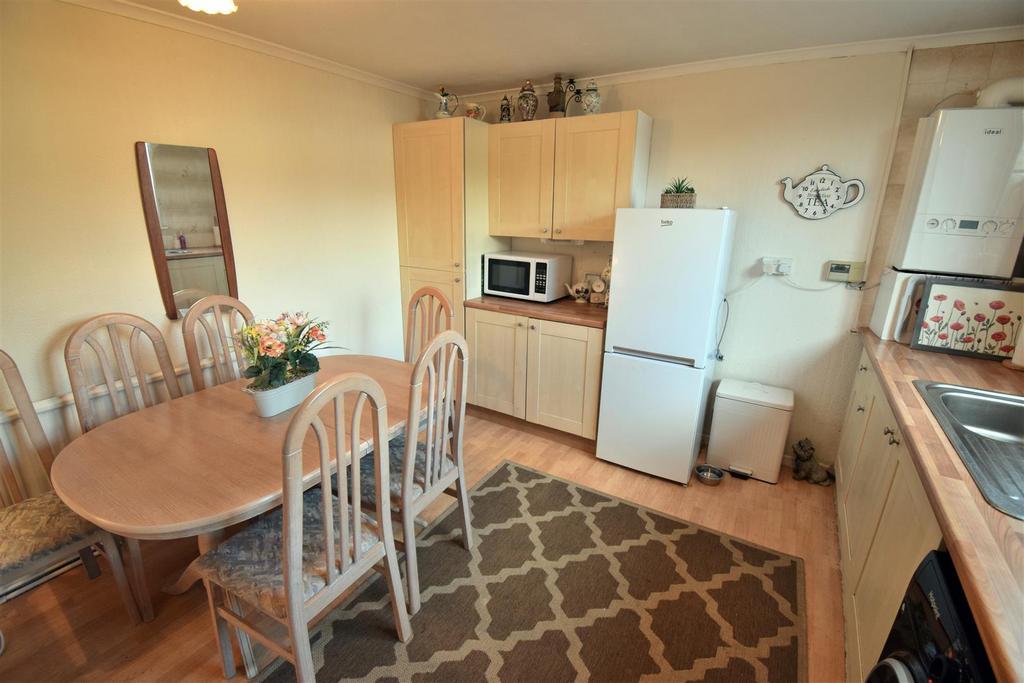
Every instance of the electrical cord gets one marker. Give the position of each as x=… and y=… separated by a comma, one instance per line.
x=789, y=281
x=721, y=335
x=746, y=286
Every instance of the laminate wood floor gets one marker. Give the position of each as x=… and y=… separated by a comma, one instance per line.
x=73, y=628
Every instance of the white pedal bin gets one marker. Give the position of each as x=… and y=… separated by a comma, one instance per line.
x=749, y=428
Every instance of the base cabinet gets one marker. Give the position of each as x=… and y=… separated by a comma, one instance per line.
x=546, y=372
x=886, y=523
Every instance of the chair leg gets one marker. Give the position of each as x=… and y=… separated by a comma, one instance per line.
x=92, y=569
x=221, y=631
x=113, y=554
x=244, y=641
x=412, y=575
x=463, y=496
x=137, y=575
x=304, y=671
x=394, y=579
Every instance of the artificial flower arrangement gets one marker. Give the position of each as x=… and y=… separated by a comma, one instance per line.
x=280, y=351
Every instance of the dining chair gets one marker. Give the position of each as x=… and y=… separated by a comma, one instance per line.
x=37, y=532
x=128, y=376
x=427, y=460
x=219, y=318
x=429, y=313
x=186, y=298
x=290, y=564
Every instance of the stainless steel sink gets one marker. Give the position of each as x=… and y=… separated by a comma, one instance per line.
x=987, y=429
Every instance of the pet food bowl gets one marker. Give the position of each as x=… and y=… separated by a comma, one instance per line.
x=709, y=474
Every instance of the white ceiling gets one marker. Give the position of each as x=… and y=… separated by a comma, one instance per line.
x=482, y=45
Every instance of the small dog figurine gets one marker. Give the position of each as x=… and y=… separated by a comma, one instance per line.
x=806, y=467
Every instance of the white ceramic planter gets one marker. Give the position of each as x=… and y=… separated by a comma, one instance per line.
x=275, y=401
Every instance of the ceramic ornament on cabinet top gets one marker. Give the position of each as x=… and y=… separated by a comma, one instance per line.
x=822, y=193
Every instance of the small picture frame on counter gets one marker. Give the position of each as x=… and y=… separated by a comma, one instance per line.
x=974, y=319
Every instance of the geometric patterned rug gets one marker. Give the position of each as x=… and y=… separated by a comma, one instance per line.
x=566, y=584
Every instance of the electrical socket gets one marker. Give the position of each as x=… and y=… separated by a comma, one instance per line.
x=777, y=265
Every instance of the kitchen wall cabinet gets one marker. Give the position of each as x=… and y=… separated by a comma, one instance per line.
x=563, y=376
x=521, y=175
x=886, y=524
x=564, y=178
x=441, y=195
x=546, y=372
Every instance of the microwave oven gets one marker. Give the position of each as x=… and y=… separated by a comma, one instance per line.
x=526, y=275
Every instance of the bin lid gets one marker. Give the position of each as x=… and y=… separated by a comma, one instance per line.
x=756, y=393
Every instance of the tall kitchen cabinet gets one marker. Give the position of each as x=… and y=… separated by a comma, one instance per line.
x=441, y=194
x=886, y=523
x=564, y=178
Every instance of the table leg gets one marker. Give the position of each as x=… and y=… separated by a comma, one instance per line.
x=190, y=576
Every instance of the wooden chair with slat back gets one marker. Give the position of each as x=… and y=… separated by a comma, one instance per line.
x=428, y=461
x=219, y=317
x=127, y=376
x=184, y=299
x=289, y=564
x=37, y=532
x=429, y=313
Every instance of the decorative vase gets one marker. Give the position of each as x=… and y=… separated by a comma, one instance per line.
x=679, y=200
x=556, y=98
x=447, y=104
x=591, y=100
x=527, y=102
x=506, y=110
x=270, y=402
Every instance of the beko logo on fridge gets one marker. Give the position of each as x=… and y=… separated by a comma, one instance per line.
x=666, y=223
x=993, y=131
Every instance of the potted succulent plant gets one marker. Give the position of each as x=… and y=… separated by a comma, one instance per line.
x=282, y=366
x=679, y=194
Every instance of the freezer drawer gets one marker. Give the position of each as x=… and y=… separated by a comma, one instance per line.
x=651, y=415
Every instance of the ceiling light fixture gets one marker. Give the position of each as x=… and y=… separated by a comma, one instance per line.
x=210, y=6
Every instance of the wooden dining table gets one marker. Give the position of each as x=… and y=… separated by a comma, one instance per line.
x=196, y=465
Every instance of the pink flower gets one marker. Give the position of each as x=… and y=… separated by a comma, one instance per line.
x=1002, y=319
x=940, y=297
x=936, y=318
x=980, y=317
x=1007, y=348
x=996, y=305
x=998, y=336
x=317, y=334
x=959, y=305
x=271, y=347
x=925, y=325
x=968, y=339
x=943, y=335
x=956, y=327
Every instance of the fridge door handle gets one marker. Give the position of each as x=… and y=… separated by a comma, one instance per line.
x=679, y=360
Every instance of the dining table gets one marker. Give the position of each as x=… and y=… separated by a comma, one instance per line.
x=199, y=464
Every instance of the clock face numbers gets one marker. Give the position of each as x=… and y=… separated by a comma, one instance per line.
x=819, y=197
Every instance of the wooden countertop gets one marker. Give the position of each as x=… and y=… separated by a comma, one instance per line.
x=987, y=546
x=565, y=310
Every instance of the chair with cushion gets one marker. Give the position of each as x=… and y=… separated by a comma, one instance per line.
x=128, y=386
x=429, y=314
x=289, y=564
x=38, y=532
x=219, y=318
x=427, y=460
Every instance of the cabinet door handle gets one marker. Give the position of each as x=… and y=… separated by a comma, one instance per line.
x=543, y=230
x=457, y=265
x=893, y=441
x=558, y=231
x=519, y=324
x=533, y=327
x=860, y=409
x=888, y=431
x=458, y=279
x=863, y=368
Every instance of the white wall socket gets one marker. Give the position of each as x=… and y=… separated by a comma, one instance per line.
x=777, y=265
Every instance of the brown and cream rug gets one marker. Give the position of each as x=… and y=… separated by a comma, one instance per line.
x=566, y=584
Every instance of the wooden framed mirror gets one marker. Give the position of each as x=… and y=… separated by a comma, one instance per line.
x=187, y=221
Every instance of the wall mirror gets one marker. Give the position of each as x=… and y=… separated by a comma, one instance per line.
x=187, y=220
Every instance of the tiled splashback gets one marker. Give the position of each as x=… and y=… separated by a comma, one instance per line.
x=947, y=76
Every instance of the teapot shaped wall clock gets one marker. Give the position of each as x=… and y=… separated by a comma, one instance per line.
x=821, y=193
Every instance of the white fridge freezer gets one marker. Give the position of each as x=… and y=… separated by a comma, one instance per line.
x=669, y=268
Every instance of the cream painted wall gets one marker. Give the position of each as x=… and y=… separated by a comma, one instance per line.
x=735, y=133
x=305, y=157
